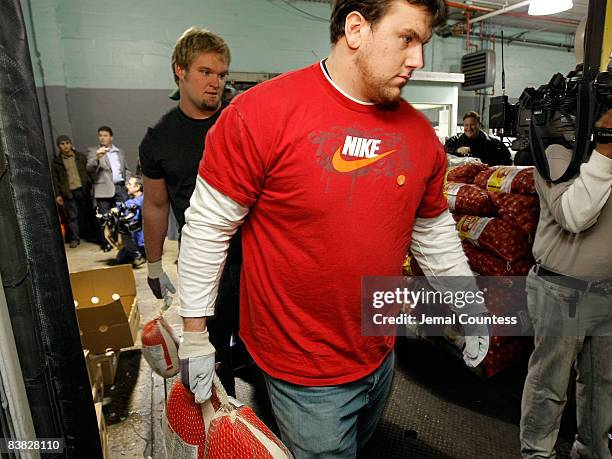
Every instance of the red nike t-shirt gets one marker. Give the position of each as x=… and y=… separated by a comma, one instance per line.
x=333, y=188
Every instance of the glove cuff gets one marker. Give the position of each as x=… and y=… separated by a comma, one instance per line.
x=155, y=269
x=195, y=344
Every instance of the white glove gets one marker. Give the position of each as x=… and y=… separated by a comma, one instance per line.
x=160, y=283
x=476, y=343
x=197, y=356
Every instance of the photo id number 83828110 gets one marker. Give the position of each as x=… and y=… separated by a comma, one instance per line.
x=43, y=445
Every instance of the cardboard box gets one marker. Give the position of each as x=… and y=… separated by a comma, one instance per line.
x=108, y=365
x=106, y=307
x=102, y=430
x=96, y=378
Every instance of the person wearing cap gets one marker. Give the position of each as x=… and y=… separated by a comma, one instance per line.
x=170, y=154
x=72, y=185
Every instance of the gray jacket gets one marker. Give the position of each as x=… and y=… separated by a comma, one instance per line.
x=102, y=173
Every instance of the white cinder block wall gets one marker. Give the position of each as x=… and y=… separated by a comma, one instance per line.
x=108, y=62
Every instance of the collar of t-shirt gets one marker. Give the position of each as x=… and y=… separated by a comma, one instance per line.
x=339, y=94
x=202, y=121
x=338, y=88
x=115, y=162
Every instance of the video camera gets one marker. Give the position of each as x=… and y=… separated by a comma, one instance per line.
x=119, y=222
x=552, y=111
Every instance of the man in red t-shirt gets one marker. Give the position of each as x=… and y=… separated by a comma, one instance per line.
x=333, y=177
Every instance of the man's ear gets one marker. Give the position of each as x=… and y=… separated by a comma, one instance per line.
x=355, y=27
x=179, y=71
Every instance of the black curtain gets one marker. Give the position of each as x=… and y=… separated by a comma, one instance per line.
x=32, y=259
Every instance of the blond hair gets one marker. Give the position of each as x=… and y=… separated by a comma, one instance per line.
x=194, y=41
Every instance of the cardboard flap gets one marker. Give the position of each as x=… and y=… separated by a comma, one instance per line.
x=103, y=283
x=106, y=307
x=104, y=327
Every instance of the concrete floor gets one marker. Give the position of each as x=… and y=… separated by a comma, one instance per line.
x=133, y=416
x=437, y=408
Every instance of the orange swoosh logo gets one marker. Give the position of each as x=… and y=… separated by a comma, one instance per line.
x=341, y=165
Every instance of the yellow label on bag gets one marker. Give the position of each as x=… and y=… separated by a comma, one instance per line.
x=406, y=268
x=471, y=227
x=501, y=179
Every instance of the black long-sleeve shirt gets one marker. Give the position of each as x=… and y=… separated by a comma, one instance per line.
x=489, y=150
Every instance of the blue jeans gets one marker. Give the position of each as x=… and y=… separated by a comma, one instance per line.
x=330, y=421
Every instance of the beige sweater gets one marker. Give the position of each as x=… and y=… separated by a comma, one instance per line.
x=574, y=235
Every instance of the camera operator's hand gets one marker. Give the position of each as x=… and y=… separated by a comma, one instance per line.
x=197, y=356
x=463, y=151
x=101, y=152
x=159, y=283
x=476, y=343
x=605, y=122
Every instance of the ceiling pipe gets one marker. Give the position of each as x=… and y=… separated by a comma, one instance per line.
x=463, y=6
x=480, y=9
x=523, y=41
x=504, y=10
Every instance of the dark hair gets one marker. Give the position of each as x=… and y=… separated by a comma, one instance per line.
x=474, y=115
x=106, y=129
x=374, y=10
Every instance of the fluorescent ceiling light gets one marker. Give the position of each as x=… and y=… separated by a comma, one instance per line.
x=427, y=106
x=544, y=7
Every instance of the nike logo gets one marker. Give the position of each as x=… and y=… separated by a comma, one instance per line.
x=360, y=148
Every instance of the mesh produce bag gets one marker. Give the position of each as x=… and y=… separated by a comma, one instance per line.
x=464, y=173
x=498, y=236
x=507, y=179
x=160, y=347
x=220, y=428
x=487, y=264
x=468, y=199
x=522, y=210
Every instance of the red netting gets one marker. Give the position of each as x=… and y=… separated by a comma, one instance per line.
x=229, y=436
x=185, y=417
x=469, y=200
x=522, y=210
x=496, y=235
x=521, y=183
x=160, y=347
x=488, y=264
x=465, y=173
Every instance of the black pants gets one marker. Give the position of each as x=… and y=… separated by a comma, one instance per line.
x=225, y=323
x=131, y=250
x=71, y=212
x=106, y=204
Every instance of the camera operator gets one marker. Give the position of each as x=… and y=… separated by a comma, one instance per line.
x=133, y=250
x=475, y=142
x=571, y=316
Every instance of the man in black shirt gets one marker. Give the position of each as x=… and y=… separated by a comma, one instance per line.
x=169, y=157
x=475, y=142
